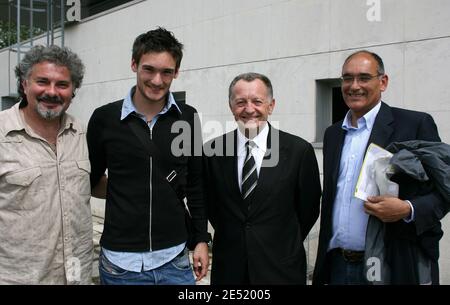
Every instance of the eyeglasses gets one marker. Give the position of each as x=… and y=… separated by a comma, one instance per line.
x=360, y=79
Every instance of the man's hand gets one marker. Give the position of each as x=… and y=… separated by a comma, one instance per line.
x=200, y=260
x=99, y=191
x=387, y=209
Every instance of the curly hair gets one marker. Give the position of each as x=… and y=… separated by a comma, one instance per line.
x=60, y=56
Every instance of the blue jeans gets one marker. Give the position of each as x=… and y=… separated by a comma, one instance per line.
x=176, y=272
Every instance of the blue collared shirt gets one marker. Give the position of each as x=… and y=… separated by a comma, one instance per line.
x=349, y=218
x=143, y=261
x=129, y=108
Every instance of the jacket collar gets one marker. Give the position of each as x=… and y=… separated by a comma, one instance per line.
x=129, y=108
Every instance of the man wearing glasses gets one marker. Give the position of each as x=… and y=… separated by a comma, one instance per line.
x=144, y=237
x=411, y=222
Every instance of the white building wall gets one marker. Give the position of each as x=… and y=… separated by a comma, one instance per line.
x=8, y=61
x=294, y=42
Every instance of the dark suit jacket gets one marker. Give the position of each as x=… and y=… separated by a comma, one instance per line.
x=391, y=125
x=267, y=239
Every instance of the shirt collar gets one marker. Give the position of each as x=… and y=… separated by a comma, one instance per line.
x=17, y=122
x=129, y=108
x=365, y=121
x=260, y=140
x=69, y=122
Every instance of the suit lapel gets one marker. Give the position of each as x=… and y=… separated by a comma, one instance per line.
x=230, y=166
x=335, y=153
x=382, y=129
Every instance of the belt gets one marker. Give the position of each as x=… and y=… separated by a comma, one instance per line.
x=351, y=256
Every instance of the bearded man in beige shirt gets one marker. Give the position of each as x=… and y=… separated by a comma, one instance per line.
x=45, y=215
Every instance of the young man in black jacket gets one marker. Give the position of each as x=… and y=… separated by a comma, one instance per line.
x=145, y=234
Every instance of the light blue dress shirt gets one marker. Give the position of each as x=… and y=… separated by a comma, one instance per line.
x=349, y=218
x=143, y=261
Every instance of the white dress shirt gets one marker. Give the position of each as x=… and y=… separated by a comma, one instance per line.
x=258, y=151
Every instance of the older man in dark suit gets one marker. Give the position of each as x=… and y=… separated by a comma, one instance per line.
x=263, y=193
x=412, y=221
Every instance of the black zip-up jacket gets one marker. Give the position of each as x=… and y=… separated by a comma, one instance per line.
x=143, y=212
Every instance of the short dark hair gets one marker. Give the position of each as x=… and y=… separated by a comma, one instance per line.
x=158, y=40
x=249, y=77
x=380, y=64
x=60, y=56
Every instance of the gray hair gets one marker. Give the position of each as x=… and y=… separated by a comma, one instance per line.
x=380, y=64
x=53, y=54
x=249, y=77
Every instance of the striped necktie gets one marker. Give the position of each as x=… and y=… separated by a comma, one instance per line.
x=249, y=173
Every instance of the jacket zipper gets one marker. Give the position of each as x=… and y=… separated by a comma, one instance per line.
x=151, y=202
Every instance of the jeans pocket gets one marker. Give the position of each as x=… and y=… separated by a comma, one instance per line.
x=109, y=268
x=181, y=261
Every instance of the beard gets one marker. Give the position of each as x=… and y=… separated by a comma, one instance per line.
x=50, y=114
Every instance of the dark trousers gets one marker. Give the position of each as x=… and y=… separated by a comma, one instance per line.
x=344, y=272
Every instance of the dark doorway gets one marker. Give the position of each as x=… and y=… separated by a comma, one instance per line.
x=339, y=108
x=7, y=102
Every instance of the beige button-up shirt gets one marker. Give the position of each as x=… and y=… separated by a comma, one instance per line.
x=45, y=214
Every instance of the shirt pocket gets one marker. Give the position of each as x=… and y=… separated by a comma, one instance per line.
x=82, y=177
x=23, y=177
x=23, y=188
